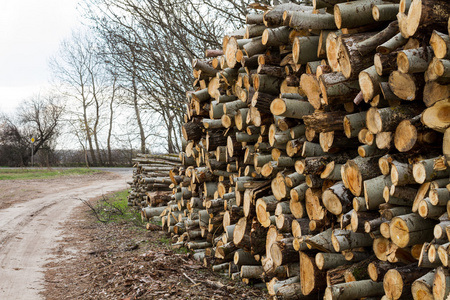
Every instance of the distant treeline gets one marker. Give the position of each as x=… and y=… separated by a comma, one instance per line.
x=70, y=158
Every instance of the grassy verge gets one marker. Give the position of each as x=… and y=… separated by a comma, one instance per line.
x=114, y=208
x=16, y=174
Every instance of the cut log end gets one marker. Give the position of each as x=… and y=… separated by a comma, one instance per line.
x=439, y=45
x=437, y=116
x=405, y=136
x=367, y=86
x=352, y=178
x=347, y=127
x=399, y=232
x=419, y=173
x=403, y=85
x=402, y=62
x=278, y=107
x=333, y=203
x=239, y=230
x=374, y=121
x=337, y=17
x=393, y=284
x=440, y=284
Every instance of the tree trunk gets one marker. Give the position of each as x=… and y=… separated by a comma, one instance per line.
x=422, y=288
x=354, y=14
x=410, y=229
x=406, y=86
x=422, y=13
x=88, y=133
x=291, y=108
x=337, y=89
x=345, y=239
x=398, y=280
x=337, y=199
x=387, y=119
x=311, y=278
x=304, y=49
x=353, y=290
x=137, y=112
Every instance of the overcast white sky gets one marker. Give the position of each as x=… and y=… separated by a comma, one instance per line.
x=30, y=33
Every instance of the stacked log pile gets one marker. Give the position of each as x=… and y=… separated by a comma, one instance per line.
x=317, y=152
x=150, y=187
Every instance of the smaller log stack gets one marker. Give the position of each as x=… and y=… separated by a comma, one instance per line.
x=151, y=184
x=316, y=157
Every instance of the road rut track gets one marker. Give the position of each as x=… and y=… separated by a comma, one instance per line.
x=30, y=230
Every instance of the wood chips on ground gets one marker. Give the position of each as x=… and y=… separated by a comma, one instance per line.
x=122, y=261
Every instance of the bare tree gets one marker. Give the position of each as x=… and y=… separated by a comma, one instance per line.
x=142, y=50
x=112, y=99
x=38, y=117
x=153, y=42
x=84, y=80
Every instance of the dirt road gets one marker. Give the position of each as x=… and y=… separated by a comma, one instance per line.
x=31, y=216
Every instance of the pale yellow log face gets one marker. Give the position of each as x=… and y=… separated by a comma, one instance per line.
x=306, y=274
x=399, y=232
x=354, y=179
x=405, y=136
x=393, y=284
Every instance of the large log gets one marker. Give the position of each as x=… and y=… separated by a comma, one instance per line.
x=406, y=86
x=354, y=14
x=304, y=49
x=337, y=89
x=355, y=171
x=441, y=284
x=423, y=13
x=387, y=119
x=274, y=17
x=422, y=288
x=414, y=60
x=306, y=20
x=353, y=290
x=346, y=239
x=291, y=108
x=424, y=171
x=337, y=199
x=311, y=278
x=411, y=229
x=283, y=252
x=397, y=281
x=325, y=261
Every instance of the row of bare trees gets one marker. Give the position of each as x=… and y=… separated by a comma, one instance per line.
x=123, y=75
x=150, y=45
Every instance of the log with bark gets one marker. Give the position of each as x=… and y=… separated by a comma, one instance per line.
x=304, y=138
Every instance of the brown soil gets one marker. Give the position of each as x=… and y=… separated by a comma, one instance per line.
x=18, y=191
x=125, y=261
